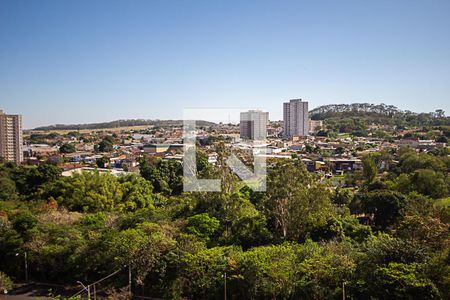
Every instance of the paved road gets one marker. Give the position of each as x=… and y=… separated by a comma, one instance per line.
x=21, y=297
x=36, y=291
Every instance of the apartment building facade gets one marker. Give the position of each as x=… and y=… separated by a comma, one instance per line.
x=253, y=125
x=295, y=118
x=11, y=142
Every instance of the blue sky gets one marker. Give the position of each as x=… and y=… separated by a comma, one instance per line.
x=93, y=61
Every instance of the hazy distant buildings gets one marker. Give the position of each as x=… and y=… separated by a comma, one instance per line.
x=315, y=125
x=253, y=125
x=295, y=118
x=11, y=137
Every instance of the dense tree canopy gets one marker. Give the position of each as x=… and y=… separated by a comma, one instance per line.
x=385, y=237
x=165, y=176
x=106, y=145
x=92, y=191
x=67, y=148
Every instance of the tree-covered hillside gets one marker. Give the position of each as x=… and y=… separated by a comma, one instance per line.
x=379, y=114
x=379, y=120
x=121, y=123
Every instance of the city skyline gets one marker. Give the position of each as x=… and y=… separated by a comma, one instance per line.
x=210, y=118
x=153, y=59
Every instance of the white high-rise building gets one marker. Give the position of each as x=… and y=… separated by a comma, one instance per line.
x=253, y=125
x=295, y=117
x=11, y=143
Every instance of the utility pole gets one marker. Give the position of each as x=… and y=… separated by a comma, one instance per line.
x=129, y=281
x=225, y=286
x=26, y=267
x=25, y=254
x=343, y=290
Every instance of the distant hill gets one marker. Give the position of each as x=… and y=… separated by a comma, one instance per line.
x=121, y=123
x=379, y=114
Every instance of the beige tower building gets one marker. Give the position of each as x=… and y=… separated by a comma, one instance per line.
x=295, y=118
x=11, y=137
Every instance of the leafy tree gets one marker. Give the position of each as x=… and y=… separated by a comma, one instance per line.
x=424, y=181
x=370, y=170
x=202, y=226
x=137, y=193
x=94, y=221
x=106, y=145
x=51, y=248
x=323, y=269
x=269, y=271
x=411, y=161
x=296, y=202
x=203, y=166
x=383, y=258
x=92, y=191
x=202, y=274
x=242, y=223
x=102, y=162
x=404, y=281
x=427, y=231
x=376, y=185
x=23, y=221
x=7, y=188
x=386, y=206
x=332, y=229
x=88, y=191
x=6, y=283
x=32, y=181
x=11, y=242
x=342, y=197
x=339, y=150
x=67, y=148
x=47, y=173
x=442, y=152
x=309, y=148
x=165, y=176
x=442, y=139
x=125, y=245
x=429, y=182
x=291, y=271
x=383, y=159
x=403, y=184
x=354, y=230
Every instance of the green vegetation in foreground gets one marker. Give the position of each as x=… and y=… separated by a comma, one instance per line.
x=299, y=240
x=445, y=202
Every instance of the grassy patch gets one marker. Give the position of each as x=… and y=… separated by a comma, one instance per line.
x=443, y=202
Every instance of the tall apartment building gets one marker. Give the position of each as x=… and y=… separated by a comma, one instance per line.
x=11, y=142
x=295, y=118
x=253, y=125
